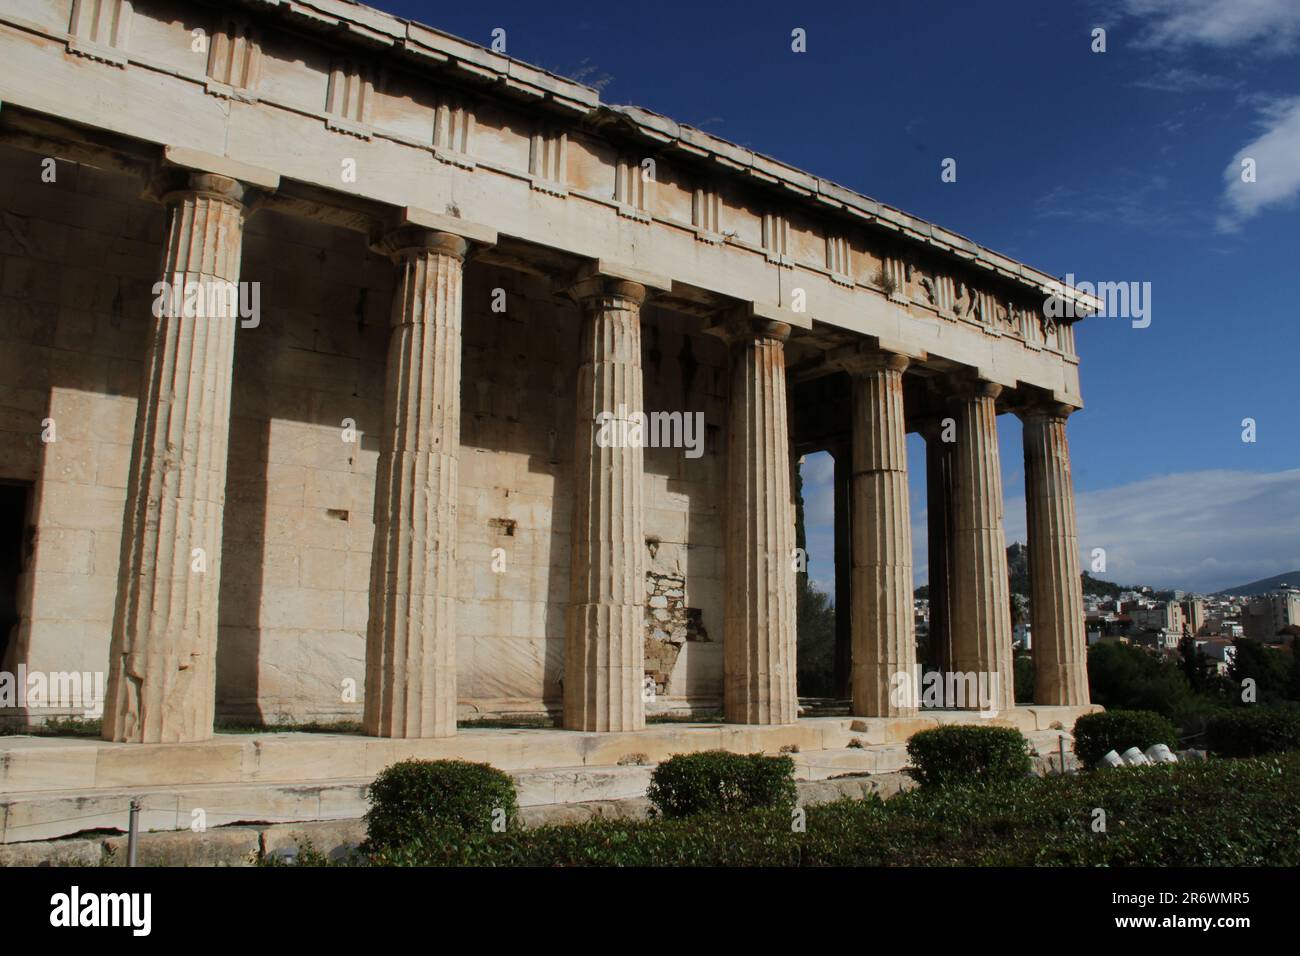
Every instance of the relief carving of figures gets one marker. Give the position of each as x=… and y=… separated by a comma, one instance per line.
x=927, y=285
x=965, y=301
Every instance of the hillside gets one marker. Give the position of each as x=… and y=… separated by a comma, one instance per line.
x=1018, y=577
x=1263, y=585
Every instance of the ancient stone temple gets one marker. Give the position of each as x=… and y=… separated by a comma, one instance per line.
x=353, y=371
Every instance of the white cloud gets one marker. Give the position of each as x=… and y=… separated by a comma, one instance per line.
x=1181, y=80
x=1276, y=156
x=1270, y=26
x=1201, y=530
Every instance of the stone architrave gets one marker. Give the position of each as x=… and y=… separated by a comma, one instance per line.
x=604, y=665
x=1056, y=602
x=884, y=643
x=759, y=628
x=981, y=601
x=161, y=684
x=411, y=633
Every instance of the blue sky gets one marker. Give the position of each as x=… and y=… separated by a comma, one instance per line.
x=1114, y=166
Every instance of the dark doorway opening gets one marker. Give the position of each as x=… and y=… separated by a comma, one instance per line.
x=13, y=521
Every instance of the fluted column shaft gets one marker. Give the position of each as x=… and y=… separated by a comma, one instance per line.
x=884, y=646
x=759, y=629
x=981, y=602
x=938, y=506
x=162, y=676
x=411, y=632
x=1056, y=609
x=604, y=664
x=843, y=571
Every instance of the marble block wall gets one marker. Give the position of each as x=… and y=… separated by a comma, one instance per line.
x=78, y=259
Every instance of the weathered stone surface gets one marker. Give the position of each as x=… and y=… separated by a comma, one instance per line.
x=222, y=846
x=162, y=661
x=411, y=636
x=759, y=643
x=884, y=645
x=1056, y=605
x=334, y=838
x=981, y=604
x=605, y=650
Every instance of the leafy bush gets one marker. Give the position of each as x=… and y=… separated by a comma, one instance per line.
x=1023, y=678
x=1097, y=734
x=1155, y=818
x=415, y=799
x=1265, y=665
x=1254, y=731
x=1126, y=677
x=961, y=754
x=716, y=781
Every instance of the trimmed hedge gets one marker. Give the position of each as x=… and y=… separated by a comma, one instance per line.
x=1095, y=735
x=962, y=754
x=1254, y=731
x=716, y=781
x=1154, y=818
x=416, y=800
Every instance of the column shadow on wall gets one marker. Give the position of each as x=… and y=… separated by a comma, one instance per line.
x=299, y=508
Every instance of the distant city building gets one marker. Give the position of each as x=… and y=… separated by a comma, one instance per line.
x=1193, y=614
x=1267, y=614
x=1219, y=650
x=1159, y=639
x=1165, y=617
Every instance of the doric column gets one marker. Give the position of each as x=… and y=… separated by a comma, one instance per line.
x=604, y=665
x=884, y=646
x=938, y=507
x=411, y=633
x=843, y=454
x=162, y=676
x=1056, y=608
x=759, y=631
x=981, y=602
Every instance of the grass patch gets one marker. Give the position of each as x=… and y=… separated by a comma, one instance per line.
x=308, y=727
x=511, y=722
x=57, y=727
x=1154, y=816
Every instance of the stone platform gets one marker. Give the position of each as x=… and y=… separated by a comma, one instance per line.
x=53, y=787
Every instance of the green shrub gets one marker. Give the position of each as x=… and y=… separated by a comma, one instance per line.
x=1095, y=735
x=716, y=781
x=962, y=754
x=1155, y=818
x=415, y=799
x=1254, y=731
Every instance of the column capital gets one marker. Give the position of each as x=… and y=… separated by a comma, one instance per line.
x=186, y=172
x=412, y=240
x=590, y=290
x=604, y=277
x=1045, y=410
x=744, y=324
x=173, y=185
x=861, y=358
x=975, y=387
x=412, y=230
